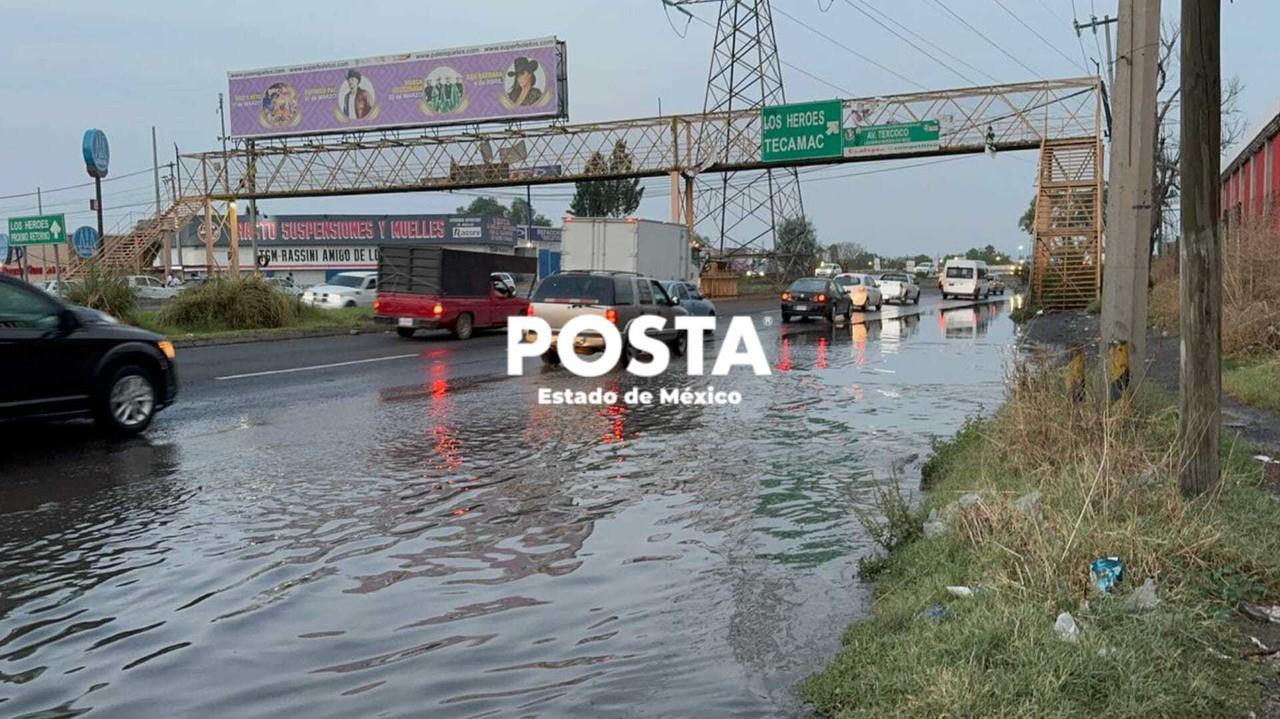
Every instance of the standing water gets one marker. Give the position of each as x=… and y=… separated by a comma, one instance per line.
x=453, y=548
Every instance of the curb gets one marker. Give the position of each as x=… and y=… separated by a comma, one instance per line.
x=252, y=336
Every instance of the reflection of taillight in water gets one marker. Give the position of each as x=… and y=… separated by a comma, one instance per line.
x=611, y=315
x=822, y=353
x=439, y=388
x=615, y=416
x=784, y=358
x=860, y=343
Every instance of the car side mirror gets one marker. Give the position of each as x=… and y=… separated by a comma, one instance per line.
x=675, y=301
x=67, y=320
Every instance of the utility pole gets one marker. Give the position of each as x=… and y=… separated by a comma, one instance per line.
x=1129, y=206
x=1093, y=24
x=253, y=206
x=1200, y=248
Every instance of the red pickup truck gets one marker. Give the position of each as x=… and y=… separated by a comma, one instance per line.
x=437, y=288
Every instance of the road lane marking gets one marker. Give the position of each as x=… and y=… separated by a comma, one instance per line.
x=315, y=367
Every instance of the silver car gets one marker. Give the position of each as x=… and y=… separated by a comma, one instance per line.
x=345, y=289
x=690, y=298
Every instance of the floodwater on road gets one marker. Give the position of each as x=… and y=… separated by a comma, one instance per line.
x=449, y=547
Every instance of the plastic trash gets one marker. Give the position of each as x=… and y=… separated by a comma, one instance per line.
x=964, y=592
x=1143, y=598
x=935, y=612
x=1066, y=628
x=1107, y=571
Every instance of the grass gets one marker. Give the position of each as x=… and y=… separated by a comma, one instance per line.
x=1108, y=489
x=308, y=319
x=105, y=291
x=1255, y=382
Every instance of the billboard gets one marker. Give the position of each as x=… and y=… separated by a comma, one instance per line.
x=365, y=230
x=492, y=83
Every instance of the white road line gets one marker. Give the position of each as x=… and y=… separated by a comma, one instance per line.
x=315, y=367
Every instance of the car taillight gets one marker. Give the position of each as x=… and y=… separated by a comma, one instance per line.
x=611, y=315
x=438, y=309
x=376, y=305
x=786, y=295
x=822, y=298
x=530, y=310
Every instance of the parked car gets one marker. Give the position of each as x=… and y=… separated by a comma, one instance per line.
x=966, y=278
x=816, y=297
x=899, y=287
x=619, y=297
x=863, y=290
x=146, y=287
x=74, y=361
x=345, y=289
x=690, y=298
x=285, y=285
x=57, y=288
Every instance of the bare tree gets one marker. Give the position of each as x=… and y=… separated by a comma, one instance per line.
x=1166, y=189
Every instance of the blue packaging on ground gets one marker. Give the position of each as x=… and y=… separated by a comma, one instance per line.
x=1107, y=571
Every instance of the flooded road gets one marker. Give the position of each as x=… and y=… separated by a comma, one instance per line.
x=426, y=541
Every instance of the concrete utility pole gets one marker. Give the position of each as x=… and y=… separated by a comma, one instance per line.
x=1129, y=205
x=1200, y=248
x=166, y=250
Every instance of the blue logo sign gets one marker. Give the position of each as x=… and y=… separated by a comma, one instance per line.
x=85, y=240
x=97, y=154
x=4, y=249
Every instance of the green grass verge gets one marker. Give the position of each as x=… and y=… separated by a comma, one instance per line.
x=1108, y=488
x=309, y=319
x=1255, y=382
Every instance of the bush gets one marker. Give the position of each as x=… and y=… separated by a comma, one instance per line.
x=223, y=304
x=105, y=291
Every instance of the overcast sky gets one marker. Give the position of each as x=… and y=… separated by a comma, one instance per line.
x=126, y=65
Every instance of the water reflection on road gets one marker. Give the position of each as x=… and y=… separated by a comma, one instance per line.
x=452, y=548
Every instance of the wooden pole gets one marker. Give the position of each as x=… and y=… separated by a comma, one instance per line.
x=1132, y=172
x=1200, y=248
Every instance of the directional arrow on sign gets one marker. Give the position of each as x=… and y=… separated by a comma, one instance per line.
x=833, y=127
x=55, y=229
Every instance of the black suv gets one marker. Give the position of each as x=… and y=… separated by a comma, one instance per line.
x=58, y=360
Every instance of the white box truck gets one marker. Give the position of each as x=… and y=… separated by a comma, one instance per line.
x=658, y=249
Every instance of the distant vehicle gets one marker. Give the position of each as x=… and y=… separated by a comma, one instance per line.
x=285, y=285
x=56, y=288
x=899, y=287
x=924, y=269
x=619, y=297
x=863, y=290
x=966, y=278
x=690, y=298
x=827, y=269
x=996, y=286
x=659, y=250
x=816, y=297
x=425, y=287
x=146, y=287
x=76, y=362
x=345, y=289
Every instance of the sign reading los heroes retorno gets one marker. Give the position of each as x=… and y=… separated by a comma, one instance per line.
x=505, y=82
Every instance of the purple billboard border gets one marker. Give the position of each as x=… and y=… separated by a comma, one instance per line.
x=471, y=85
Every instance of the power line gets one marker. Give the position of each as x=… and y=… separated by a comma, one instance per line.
x=1052, y=12
x=1037, y=34
x=927, y=41
x=1075, y=22
x=850, y=50
x=1093, y=16
x=983, y=35
x=73, y=187
x=919, y=49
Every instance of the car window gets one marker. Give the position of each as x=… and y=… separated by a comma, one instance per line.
x=678, y=291
x=352, y=281
x=982, y=273
x=965, y=273
x=575, y=289
x=646, y=292
x=623, y=292
x=848, y=281
x=694, y=294
x=371, y=283
x=21, y=308
x=809, y=285
x=660, y=293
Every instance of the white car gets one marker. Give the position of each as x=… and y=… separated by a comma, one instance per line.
x=285, y=285
x=146, y=287
x=57, y=288
x=967, y=278
x=899, y=287
x=863, y=290
x=345, y=289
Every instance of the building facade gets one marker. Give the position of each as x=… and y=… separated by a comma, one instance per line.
x=1251, y=181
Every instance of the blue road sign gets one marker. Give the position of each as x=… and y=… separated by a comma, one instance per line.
x=4, y=249
x=85, y=240
x=97, y=154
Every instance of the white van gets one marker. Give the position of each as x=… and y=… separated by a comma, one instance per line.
x=966, y=278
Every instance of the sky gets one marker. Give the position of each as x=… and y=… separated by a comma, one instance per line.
x=127, y=65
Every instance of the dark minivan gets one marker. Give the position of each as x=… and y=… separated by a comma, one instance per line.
x=62, y=361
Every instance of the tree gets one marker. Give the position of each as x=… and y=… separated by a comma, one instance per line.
x=519, y=215
x=844, y=253
x=484, y=207
x=1027, y=223
x=608, y=198
x=797, y=245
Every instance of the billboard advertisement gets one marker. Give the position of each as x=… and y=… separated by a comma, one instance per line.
x=493, y=83
x=357, y=230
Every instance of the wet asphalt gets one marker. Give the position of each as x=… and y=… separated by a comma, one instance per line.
x=366, y=525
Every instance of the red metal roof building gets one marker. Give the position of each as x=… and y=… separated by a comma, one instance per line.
x=1251, y=182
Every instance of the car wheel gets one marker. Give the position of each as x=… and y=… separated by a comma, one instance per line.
x=680, y=344
x=350, y=303
x=126, y=401
x=405, y=332
x=462, y=326
x=830, y=315
x=785, y=318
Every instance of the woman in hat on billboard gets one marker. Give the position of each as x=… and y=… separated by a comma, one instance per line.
x=523, y=92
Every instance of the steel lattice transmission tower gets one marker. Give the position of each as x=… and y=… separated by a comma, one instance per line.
x=745, y=208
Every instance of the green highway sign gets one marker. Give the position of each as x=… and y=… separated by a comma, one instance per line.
x=803, y=131
x=37, y=230
x=892, y=139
